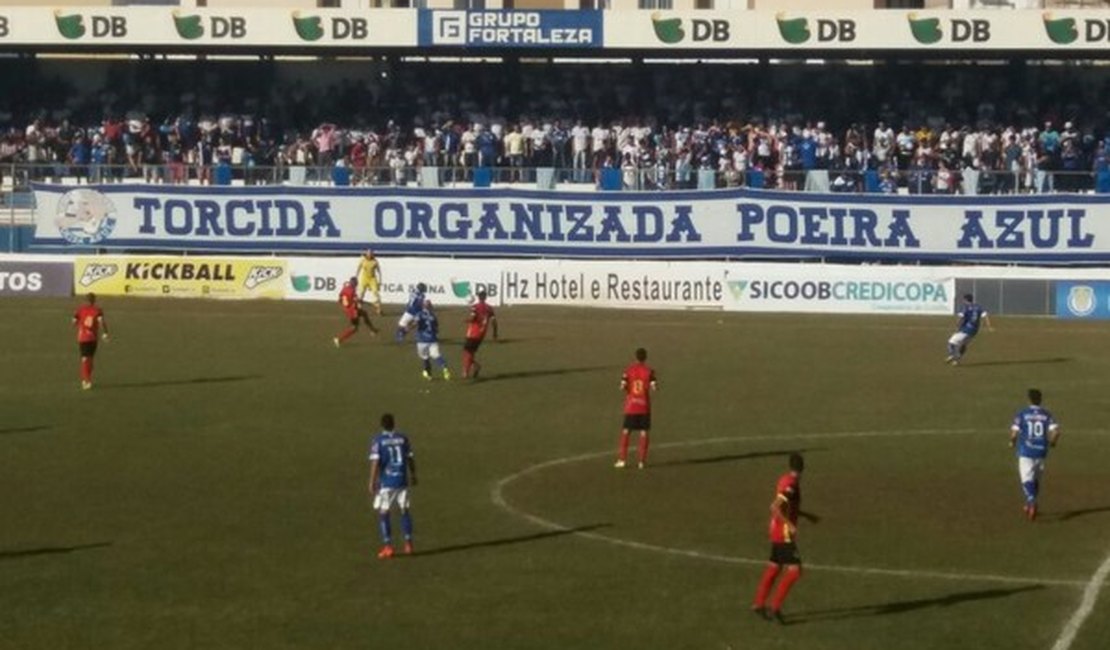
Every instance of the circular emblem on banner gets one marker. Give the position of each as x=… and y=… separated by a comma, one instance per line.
x=1081, y=300
x=85, y=216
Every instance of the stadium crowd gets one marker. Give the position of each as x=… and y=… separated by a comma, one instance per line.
x=924, y=140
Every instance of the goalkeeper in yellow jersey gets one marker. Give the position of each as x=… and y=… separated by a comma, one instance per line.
x=370, y=278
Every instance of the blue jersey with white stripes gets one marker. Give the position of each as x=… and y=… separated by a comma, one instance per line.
x=427, y=327
x=391, y=451
x=415, y=302
x=971, y=317
x=1033, y=425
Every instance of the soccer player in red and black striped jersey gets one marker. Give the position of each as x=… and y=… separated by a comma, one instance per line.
x=638, y=382
x=784, y=549
x=480, y=319
x=89, y=320
x=352, y=308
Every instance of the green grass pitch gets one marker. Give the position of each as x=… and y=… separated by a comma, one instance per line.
x=210, y=492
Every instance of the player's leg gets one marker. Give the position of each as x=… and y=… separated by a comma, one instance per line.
x=406, y=519
x=365, y=318
x=622, y=445
x=1030, y=471
x=377, y=293
x=403, y=325
x=645, y=438
x=88, y=351
x=787, y=557
x=766, y=582
x=352, y=327
x=422, y=351
x=382, y=502
x=434, y=351
x=468, y=363
x=955, y=344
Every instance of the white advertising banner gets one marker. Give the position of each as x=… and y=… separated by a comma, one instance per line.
x=918, y=31
x=189, y=27
x=450, y=282
x=1059, y=228
x=657, y=285
x=839, y=289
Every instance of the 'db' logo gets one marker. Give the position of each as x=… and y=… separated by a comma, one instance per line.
x=85, y=217
x=1081, y=300
x=1062, y=31
x=737, y=288
x=308, y=28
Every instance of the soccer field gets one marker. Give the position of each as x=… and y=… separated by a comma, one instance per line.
x=210, y=492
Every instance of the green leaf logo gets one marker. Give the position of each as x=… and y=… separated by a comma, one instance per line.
x=925, y=30
x=460, y=288
x=71, y=26
x=189, y=26
x=1062, y=31
x=793, y=30
x=736, y=288
x=667, y=30
x=301, y=283
x=309, y=28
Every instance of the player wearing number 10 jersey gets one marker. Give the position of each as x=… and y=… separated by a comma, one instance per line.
x=1033, y=431
x=638, y=382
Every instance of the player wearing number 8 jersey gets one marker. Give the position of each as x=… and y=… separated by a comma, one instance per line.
x=1033, y=431
x=638, y=382
x=392, y=473
x=89, y=320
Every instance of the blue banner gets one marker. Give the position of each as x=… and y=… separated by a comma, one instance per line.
x=1083, y=300
x=511, y=28
x=1057, y=228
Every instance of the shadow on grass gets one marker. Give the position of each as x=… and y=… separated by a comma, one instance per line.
x=529, y=374
x=1072, y=514
x=180, y=382
x=904, y=606
x=1016, y=362
x=49, y=550
x=725, y=458
x=508, y=541
x=33, y=429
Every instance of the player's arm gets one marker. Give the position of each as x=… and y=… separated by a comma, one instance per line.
x=493, y=325
x=778, y=508
x=987, y=322
x=412, y=469
x=652, y=382
x=103, y=326
x=624, y=383
x=373, y=475
x=1014, y=433
x=1053, y=434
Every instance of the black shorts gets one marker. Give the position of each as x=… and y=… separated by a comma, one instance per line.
x=87, y=348
x=637, y=422
x=472, y=345
x=785, y=553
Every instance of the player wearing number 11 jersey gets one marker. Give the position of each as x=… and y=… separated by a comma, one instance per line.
x=392, y=473
x=638, y=382
x=1033, y=431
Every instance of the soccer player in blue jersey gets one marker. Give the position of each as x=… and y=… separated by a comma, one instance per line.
x=427, y=341
x=1033, y=431
x=392, y=473
x=971, y=317
x=412, y=308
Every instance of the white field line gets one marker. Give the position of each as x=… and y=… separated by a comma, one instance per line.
x=1086, y=606
x=498, y=498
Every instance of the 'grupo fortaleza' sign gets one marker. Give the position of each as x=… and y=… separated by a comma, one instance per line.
x=710, y=224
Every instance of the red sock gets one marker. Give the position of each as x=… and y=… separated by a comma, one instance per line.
x=765, y=583
x=642, y=447
x=347, y=333
x=468, y=360
x=86, y=369
x=623, y=453
x=793, y=572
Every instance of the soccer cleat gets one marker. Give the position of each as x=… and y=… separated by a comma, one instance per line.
x=619, y=464
x=335, y=341
x=477, y=369
x=409, y=550
x=426, y=375
x=949, y=359
x=761, y=612
x=386, y=552
x=1031, y=512
x=640, y=465
x=86, y=385
x=447, y=374
x=776, y=616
